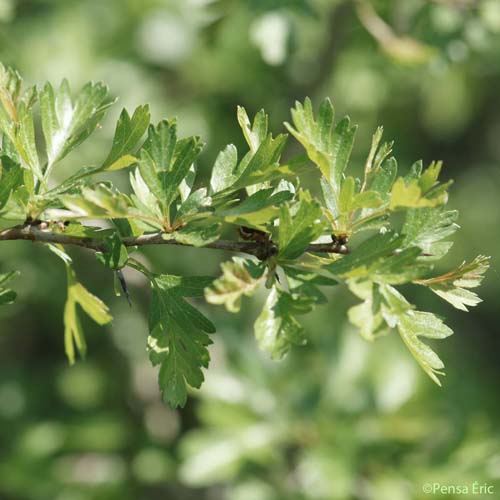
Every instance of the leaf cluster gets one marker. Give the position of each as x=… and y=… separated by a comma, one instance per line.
x=353, y=222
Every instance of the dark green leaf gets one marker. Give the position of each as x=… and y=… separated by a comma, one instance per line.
x=11, y=178
x=178, y=335
x=116, y=257
x=367, y=255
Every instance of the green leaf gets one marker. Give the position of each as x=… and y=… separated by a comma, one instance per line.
x=300, y=224
x=72, y=183
x=259, y=167
x=195, y=204
x=25, y=141
x=408, y=195
x=316, y=137
x=197, y=233
x=148, y=170
x=93, y=307
x=367, y=316
x=400, y=267
x=429, y=177
x=327, y=146
x=331, y=198
x=346, y=196
x=376, y=138
x=454, y=286
x=10, y=90
x=67, y=122
x=6, y=277
x=239, y=277
x=145, y=200
x=165, y=162
x=367, y=256
x=380, y=181
x=367, y=199
x=11, y=177
x=412, y=326
x=160, y=144
x=384, y=177
x=129, y=131
x=256, y=133
x=342, y=143
x=117, y=255
x=81, y=231
x=305, y=282
x=178, y=335
x=419, y=190
x=16, y=207
x=7, y=296
x=416, y=324
x=16, y=122
x=99, y=202
x=376, y=158
x=258, y=209
x=186, y=153
x=427, y=227
x=277, y=329
x=223, y=175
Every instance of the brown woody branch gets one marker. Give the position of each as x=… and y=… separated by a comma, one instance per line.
x=34, y=233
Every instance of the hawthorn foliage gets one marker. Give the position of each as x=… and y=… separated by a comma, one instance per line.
x=293, y=242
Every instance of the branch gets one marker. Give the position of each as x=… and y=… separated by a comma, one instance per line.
x=33, y=233
x=373, y=23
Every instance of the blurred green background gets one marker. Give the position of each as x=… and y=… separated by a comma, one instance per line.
x=339, y=418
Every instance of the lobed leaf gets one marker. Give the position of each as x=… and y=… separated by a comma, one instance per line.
x=454, y=286
x=93, y=307
x=239, y=277
x=416, y=324
x=327, y=146
x=178, y=335
x=299, y=225
x=427, y=227
x=129, y=131
x=256, y=133
x=277, y=329
x=67, y=122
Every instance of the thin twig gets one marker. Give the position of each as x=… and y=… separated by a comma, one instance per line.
x=32, y=233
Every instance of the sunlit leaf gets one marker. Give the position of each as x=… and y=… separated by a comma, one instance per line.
x=67, y=122
x=93, y=307
x=454, y=286
x=239, y=277
x=277, y=329
x=300, y=224
x=129, y=131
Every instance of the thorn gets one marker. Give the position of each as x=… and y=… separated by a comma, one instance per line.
x=123, y=285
